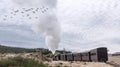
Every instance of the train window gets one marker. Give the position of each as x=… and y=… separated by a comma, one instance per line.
x=93, y=53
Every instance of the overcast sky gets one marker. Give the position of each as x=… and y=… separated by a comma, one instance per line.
x=86, y=24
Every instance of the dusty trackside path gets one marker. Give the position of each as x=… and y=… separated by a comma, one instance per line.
x=76, y=64
x=114, y=60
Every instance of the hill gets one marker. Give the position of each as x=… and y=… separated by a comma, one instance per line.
x=116, y=54
x=8, y=49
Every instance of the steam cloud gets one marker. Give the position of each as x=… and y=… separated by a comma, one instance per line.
x=49, y=26
x=46, y=23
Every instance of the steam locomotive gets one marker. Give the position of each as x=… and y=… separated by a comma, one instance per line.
x=94, y=55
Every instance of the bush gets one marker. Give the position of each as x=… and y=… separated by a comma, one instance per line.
x=21, y=62
x=65, y=66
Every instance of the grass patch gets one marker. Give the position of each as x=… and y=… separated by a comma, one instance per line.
x=21, y=62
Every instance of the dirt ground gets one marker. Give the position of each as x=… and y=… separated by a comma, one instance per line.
x=114, y=60
x=76, y=64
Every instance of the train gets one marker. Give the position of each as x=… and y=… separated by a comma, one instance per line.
x=94, y=55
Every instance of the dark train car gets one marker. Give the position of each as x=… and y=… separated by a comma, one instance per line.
x=70, y=57
x=56, y=58
x=77, y=57
x=63, y=57
x=86, y=56
x=99, y=54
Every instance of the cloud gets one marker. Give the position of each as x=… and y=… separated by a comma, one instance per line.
x=20, y=35
x=95, y=21
x=86, y=24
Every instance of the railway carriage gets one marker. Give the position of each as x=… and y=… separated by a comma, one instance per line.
x=77, y=57
x=99, y=54
x=56, y=58
x=96, y=55
x=63, y=57
x=86, y=56
x=70, y=57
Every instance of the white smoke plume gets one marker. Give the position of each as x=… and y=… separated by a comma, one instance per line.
x=46, y=22
x=49, y=26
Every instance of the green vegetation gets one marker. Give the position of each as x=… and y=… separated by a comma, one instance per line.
x=65, y=66
x=58, y=66
x=6, y=49
x=45, y=52
x=26, y=62
x=21, y=62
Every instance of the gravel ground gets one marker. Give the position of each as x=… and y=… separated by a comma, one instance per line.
x=76, y=64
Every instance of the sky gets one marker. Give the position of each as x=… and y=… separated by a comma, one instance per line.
x=85, y=25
